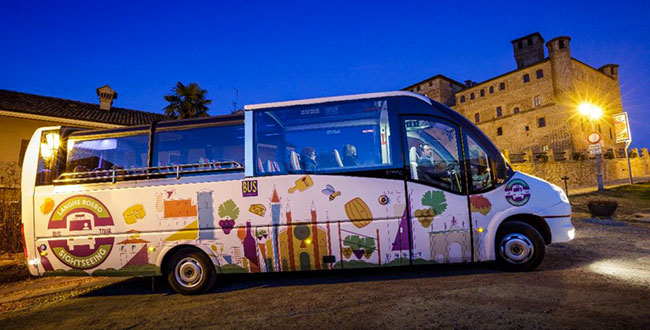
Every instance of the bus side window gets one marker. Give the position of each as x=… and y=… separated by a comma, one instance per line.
x=48, y=152
x=433, y=154
x=103, y=154
x=203, y=145
x=329, y=138
x=480, y=166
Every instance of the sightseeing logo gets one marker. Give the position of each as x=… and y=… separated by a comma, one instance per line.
x=80, y=214
x=517, y=192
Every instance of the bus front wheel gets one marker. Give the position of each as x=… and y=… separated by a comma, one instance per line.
x=519, y=247
x=190, y=272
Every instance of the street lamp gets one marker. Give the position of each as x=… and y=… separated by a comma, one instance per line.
x=593, y=112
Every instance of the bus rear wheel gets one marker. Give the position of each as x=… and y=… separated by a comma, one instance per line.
x=190, y=272
x=519, y=247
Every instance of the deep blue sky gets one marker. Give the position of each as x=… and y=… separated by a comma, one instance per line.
x=290, y=50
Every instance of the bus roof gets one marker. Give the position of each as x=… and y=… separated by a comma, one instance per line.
x=334, y=99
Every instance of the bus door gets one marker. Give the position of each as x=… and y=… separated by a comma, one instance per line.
x=441, y=229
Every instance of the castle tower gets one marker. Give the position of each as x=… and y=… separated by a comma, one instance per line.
x=528, y=50
x=559, y=51
x=275, y=221
x=315, y=242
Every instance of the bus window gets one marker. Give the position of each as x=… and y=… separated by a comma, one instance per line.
x=433, y=153
x=339, y=137
x=107, y=153
x=199, y=145
x=48, y=151
x=480, y=166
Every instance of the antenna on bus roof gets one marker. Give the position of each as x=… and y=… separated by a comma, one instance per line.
x=234, y=103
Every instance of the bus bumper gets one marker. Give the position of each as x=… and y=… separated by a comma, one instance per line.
x=562, y=229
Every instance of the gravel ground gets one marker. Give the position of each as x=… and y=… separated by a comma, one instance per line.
x=599, y=280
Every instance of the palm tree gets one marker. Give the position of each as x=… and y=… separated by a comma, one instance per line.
x=187, y=102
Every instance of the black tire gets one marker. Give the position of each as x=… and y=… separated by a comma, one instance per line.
x=190, y=272
x=519, y=247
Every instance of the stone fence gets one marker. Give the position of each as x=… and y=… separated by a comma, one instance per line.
x=580, y=167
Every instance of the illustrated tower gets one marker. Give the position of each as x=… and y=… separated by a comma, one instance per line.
x=275, y=221
x=206, y=216
x=315, y=242
x=292, y=262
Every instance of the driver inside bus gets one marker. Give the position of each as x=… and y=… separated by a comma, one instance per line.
x=428, y=170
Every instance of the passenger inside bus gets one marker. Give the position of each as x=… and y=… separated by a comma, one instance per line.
x=308, y=159
x=350, y=155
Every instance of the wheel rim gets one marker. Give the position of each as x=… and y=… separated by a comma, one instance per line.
x=517, y=248
x=188, y=272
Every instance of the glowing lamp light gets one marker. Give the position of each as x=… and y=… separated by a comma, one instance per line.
x=52, y=142
x=308, y=241
x=592, y=111
x=480, y=230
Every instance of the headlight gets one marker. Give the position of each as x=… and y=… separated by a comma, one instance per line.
x=560, y=192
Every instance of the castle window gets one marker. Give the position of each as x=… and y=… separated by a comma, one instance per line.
x=610, y=133
x=520, y=44
x=491, y=89
x=418, y=88
x=430, y=83
x=599, y=129
x=530, y=41
x=527, y=128
x=499, y=131
x=537, y=101
x=515, y=110
x=471, y=96
x=499, y=112
x=477, y=117
x=526, y=78
x=482, y=92
x=502, y=86
x=462, y=99
x=540, y=74
x=541, y=122
x=561, y=44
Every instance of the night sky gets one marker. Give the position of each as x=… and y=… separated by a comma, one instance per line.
x=292, y=50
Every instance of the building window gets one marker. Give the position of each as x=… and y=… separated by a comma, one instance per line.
x=610, y=133
x=482, y=92
x=499, y=112
x=462, y=99
x=477, y=117
x=530, y=41
x=540, y=74
x=24, y=143
x=515, y=110
x=527, y=128
x=418, y=88
x=499, y=131
x=491, y=89
x=561, y=44
x=541, y=122
x=502, y=86
x=471, y=96
x=519, y=44
x=526, y=78
x=537, y=101
x=599, y=131
x=430, y=83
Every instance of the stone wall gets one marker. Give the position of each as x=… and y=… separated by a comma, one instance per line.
x=552, y=166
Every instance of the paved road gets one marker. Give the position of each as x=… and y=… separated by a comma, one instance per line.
x=599, y=280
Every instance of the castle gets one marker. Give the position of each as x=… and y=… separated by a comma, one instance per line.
x=535, y=106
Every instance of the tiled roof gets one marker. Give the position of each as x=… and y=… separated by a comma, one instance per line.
x=69, y=109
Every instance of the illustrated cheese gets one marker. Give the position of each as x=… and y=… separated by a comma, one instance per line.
x=133, y=214
x=358, y=212
x=302, y=184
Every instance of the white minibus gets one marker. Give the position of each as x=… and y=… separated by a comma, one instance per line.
x=372, y=180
